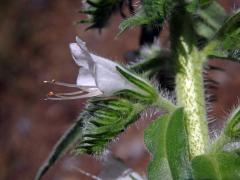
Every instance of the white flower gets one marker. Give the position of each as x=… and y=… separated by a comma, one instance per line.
x=97, y=75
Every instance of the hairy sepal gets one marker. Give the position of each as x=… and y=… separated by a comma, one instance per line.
x=104, y=119
x=145, y=88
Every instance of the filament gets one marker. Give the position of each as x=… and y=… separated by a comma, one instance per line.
x=70, y=94
x=86, y=173
x=61, y=83
x=84, y=92
x=86, y=88
x=75, y=95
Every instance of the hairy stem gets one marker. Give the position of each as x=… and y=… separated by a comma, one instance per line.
x=190, y=95
x=165, y=104
x=189, y=80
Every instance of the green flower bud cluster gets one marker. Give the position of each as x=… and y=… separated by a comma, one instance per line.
x=104, y=119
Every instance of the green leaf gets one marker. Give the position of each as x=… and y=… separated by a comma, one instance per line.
x=138, y=19
x=231, y=132
x=219, y=166
x=229, y=34
x=209, y=19
x=205, y=2
x=232, y=128
x=67, y=140
x=151, y=12
x=159, y=60
x=237, y=151
x=99, y=12
x=166, y=140
x=100, y=122
x=226, y=43
x=193, y=5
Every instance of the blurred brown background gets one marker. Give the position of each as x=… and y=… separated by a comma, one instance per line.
x=34, y=38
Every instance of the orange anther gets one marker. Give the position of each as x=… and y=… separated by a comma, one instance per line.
x=50, y=93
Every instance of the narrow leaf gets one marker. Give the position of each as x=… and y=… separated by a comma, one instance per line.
x=138, y=19
x=99, y=12
x=70, y=137
x=151, y=12
x=209, y=18
x=229, y=34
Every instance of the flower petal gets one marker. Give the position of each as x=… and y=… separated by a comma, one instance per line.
x=100, y=72
x=80, y=57
x=109, y=81
x=104, y=62
x=83, y=57
x=85, y=54
x=85, y=78
x=81, y=44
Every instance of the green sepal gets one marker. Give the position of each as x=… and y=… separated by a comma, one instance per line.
x=142, y=84
x=217, y=166
x=134, y=96
x=166, y=140
x=70, y=137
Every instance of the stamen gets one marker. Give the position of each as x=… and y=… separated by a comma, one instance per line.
x=68, y=85
x=86, y=173
x=70, y=94
x=50, y=93
x=61, y=83
x=62, y=97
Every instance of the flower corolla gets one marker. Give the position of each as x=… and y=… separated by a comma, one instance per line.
x=97, y=76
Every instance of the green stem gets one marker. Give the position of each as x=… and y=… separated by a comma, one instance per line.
x=165, y=104
x=189, y=80
x=190, y=95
